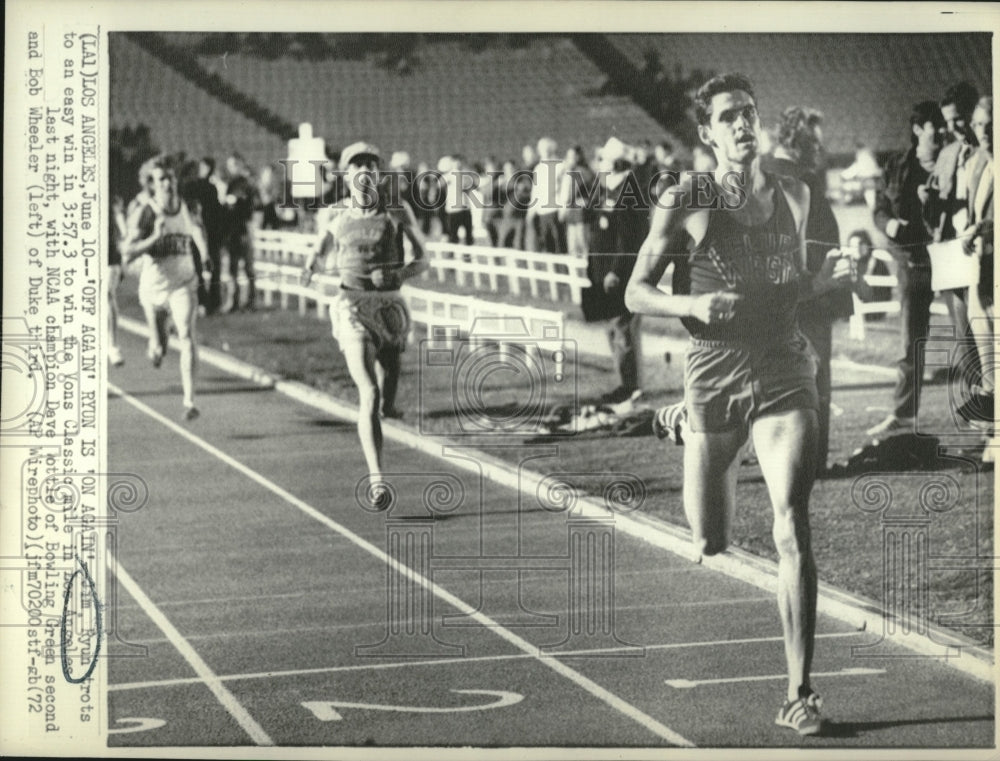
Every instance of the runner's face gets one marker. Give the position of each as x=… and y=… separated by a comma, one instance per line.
x=164, y=184
x=362, y=175
x=734, y=128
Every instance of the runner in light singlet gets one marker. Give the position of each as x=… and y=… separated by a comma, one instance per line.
x=749, y=371
x=369, y=318
x=164, y=231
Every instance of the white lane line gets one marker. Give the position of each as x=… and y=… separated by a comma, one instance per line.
x=686, y=684
x=224, y=600
x=364, y=625
x=381, y=622
x=599, y=692
x=326, y=592
x=224, y=696
x=590, y=653
x=266, y=632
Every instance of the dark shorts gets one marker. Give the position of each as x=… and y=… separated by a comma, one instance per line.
x=728, y=385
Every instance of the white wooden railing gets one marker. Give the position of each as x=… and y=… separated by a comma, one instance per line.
x=281, y=255
x=446, y=317
x=500, y=270
x=507, y=270
x=861, y=308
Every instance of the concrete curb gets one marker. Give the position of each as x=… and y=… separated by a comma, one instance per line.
x=854, y=610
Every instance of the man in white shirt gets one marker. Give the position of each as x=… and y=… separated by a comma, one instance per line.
x=545, y=198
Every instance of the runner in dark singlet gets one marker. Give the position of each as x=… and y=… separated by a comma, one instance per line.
x=749, y=371
x=369, y=318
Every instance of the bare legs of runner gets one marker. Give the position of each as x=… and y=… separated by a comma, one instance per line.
x=182, y=307
x=184, y=310
x=785, y=444
x=376, y=375
x=156, y=322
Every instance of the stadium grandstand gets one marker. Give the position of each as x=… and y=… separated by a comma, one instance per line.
x=479, y=95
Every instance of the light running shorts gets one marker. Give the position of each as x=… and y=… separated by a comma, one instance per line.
x=377, y=316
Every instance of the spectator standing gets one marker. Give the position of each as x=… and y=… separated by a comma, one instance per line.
x=240, y=202
x=545, y=200
x=575, y=200
x=979, y=242
x=515, y=195
x=457, y=206
x=946, y=208
x=620, y=229
x=271, y=193
x=428, y=194
x=203, y=196
x=492, y=204
x=529, y=160
x=899, y=214
x=797, y=154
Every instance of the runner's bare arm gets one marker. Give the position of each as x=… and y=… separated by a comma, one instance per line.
x=324, y=242
x=673, y=216
x=134, y=246
x=642, y=294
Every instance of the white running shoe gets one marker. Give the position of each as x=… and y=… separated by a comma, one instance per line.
x=802, y=715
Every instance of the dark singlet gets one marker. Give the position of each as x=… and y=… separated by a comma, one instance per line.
x=364, y=243
x=761, y=263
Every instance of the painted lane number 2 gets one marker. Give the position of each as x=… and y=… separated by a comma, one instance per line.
x=327, y=710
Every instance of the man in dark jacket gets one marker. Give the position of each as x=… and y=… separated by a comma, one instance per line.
x=240, y=203
x=899, y=213
x=620, y=231
x=204, y=196
x=798, y=155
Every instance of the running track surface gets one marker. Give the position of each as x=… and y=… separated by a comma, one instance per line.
x=253, y=608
